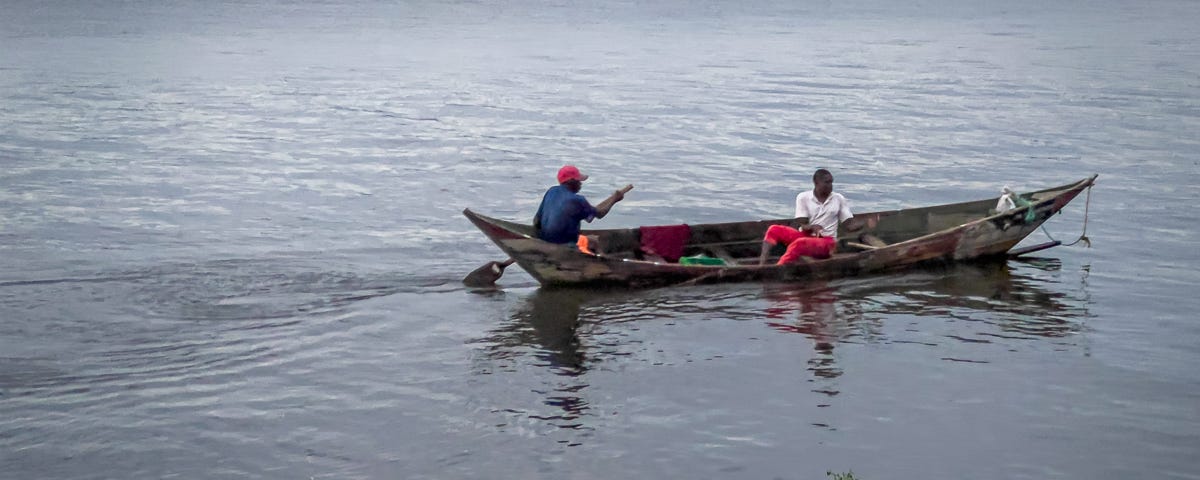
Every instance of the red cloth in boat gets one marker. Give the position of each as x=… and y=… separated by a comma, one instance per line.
x=667, y=241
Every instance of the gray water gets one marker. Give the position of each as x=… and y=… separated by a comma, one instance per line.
x=231, y=241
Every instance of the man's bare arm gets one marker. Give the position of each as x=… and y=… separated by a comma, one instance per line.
x=603, y=208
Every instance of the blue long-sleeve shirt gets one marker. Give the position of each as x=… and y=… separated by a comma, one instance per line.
x=560, y=213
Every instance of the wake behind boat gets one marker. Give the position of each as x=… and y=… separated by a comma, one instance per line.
x=728, y=252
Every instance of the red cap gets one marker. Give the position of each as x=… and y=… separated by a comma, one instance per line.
x=569, y=172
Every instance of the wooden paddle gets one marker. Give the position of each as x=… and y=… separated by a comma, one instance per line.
x=486, y=275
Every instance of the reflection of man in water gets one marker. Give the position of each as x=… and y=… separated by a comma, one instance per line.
x=817, y=320
x=554, y=318
x=547, y=326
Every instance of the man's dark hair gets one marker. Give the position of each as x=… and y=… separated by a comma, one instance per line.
x=821, y=172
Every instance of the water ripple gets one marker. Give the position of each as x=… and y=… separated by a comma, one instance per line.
x=231, y=240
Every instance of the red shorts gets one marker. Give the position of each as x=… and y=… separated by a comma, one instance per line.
x=799, y=244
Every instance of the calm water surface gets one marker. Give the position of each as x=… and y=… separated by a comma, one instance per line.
x=231, y=241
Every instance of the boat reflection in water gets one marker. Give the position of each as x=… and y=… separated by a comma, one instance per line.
x=997, y=304
x=569, y=332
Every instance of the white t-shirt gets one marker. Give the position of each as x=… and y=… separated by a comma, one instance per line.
x=828, y=215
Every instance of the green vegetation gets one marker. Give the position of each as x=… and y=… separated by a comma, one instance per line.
x=841, y=476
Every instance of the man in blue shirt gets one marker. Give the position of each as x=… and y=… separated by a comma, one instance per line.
x=557, y=219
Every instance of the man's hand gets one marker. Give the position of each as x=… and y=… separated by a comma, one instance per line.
x=603, y=208
x=620, y=194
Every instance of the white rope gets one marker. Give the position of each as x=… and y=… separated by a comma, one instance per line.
x=1083, y=236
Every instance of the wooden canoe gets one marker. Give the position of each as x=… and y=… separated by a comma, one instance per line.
x=903, y=238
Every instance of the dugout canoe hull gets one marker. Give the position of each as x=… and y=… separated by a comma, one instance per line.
x=955, y=232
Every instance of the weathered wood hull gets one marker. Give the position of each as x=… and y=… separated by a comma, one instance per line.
x=943, y=233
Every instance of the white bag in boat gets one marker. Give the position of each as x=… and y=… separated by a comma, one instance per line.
x=1007, y=200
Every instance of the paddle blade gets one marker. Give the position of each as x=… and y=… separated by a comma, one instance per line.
x=486, y=275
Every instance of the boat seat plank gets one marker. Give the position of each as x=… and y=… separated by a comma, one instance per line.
x=872, y=240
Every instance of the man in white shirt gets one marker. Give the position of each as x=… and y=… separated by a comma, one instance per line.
x=825, y=210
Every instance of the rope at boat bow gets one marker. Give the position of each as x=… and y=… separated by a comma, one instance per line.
x=1083, y=236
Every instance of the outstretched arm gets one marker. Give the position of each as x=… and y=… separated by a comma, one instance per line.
x=603, y=208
